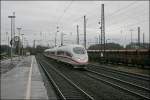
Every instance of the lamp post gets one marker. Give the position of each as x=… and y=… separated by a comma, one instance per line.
x=62, y=39
x=7, y=38
x=25, y=45
x=19, y=29
x=107, y=49
x=56, y=36
x=106, y=41
x=22, y=45
x=77, y=34
x=11, y=17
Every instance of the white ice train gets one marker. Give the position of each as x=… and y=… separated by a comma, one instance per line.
x=75, y=55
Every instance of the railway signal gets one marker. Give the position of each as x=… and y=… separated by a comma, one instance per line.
x=16, y=38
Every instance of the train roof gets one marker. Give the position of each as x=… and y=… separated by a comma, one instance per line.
x=73, y=45
x=51, y=49
x=64, y=47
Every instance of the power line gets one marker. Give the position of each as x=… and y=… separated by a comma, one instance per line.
x=118, y=10
x=127, y=17
x=121, y=9
x=65, y=10
x=133, y=24
x=79, y=18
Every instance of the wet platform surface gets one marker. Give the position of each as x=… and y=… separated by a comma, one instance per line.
x=23, y=81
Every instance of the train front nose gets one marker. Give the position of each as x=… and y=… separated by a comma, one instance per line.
x=80, y=55
x=81, y=59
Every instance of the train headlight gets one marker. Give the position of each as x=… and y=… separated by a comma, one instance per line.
x=79, y=59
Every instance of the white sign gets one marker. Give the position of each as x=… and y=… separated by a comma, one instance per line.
x=101, y=54
x=16, y=38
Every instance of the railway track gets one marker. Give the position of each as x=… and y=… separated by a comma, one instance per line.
x=65, y=88
x=138, y=76
x=125, y=87
x=97, y=89
x=140, y=80
x=132, y=88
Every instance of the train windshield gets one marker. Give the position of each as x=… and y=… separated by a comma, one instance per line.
x=79, y=50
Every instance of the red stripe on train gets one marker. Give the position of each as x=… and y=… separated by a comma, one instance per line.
x=68, y=58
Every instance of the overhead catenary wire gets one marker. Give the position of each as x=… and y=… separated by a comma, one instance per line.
x=65, y=10
x=117, y=11
x=127, y=17
x=133, y=24
x=121, y=9
x=81, y=16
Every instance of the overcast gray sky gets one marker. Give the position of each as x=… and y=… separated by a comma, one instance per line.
x=38, y=20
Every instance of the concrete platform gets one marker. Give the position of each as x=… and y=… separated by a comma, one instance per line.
x=24, y=81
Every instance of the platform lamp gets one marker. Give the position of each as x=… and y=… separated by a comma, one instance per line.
x=22, y=45
x=107, y=48
x=19, y=29
x=11, y=43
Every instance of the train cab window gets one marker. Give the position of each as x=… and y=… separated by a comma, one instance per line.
x=60, y=53
x=79, y=50
x=46, y=53
x=68, y=54
x=51, y=52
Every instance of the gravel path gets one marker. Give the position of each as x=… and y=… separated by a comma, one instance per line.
x=7, y=65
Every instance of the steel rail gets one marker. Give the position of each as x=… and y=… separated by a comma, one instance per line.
x=115, y=85
x=52, y=81
x=73, y=84
x=146, y=78
x=70, y=82
x=129, y=83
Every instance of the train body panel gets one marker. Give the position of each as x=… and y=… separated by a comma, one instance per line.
x=75, y=55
